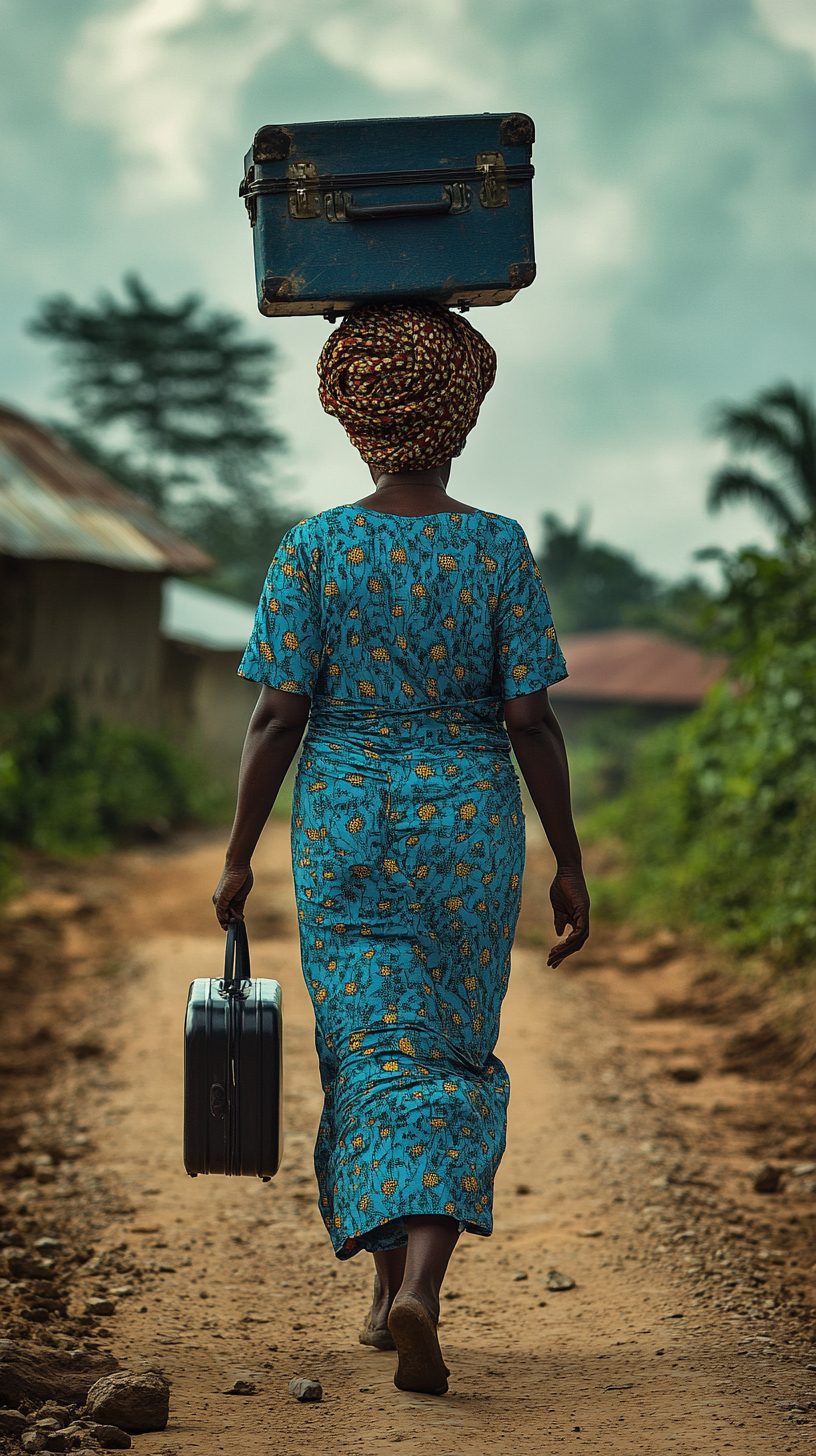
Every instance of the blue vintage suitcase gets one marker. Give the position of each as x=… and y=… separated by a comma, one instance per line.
x=345, y=212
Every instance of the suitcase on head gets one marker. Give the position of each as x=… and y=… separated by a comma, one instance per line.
x=232, y=1070
x=347, y=212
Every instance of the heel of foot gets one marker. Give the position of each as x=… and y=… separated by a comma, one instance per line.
x=420, y=1366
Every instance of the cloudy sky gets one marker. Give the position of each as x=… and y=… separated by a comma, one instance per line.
x=675, y=213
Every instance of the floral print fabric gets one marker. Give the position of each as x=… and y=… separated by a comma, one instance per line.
x=406, y=381
x=407, y=843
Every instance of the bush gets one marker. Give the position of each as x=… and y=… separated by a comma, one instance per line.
x=68, y=788
x=718, y=821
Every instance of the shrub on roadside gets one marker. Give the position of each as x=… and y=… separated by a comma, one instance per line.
x=718, y=821
x=68, y=788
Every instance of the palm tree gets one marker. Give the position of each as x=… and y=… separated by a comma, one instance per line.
x=779, y=423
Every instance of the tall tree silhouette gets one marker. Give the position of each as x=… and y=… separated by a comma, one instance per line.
x=169, y=399
x=779, y=424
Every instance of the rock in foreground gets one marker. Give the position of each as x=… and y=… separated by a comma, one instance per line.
x=303, y=1389
x=132, y=1402
x=557, y=1281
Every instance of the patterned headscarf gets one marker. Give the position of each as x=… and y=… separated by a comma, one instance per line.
x=406, y=381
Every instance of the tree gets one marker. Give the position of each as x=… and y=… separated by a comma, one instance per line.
x=779, y=423
x=591, y=585
x=168, y=399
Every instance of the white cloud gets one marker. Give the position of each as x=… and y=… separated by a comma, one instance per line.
x=791, y=22
x=413, y=46
x=164, y=77
x=153, y=75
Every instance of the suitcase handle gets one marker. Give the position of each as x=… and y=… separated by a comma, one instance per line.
x=236, y=959
x=435, y=208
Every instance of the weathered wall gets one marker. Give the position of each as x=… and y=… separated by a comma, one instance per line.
x=70, y=626
x=206, y=705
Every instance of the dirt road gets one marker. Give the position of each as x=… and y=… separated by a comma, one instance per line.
x=690, y=1326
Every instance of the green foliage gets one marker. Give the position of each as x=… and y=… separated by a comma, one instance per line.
x=68, y=788
x=593, y=587
x=719, y=818
x=779, y=424
x=589, y=584
x=602, y=745
x=168, y=399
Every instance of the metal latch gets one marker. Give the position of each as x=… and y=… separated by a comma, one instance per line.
x=304, y=198
x=250, y=202
x=493, y=191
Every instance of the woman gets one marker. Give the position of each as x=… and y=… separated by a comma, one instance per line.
x=404, y=629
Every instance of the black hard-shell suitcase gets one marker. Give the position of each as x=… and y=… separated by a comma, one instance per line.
x=346, y=212
x=232, y=1070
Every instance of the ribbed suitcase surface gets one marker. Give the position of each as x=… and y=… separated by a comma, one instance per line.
x=233, y=1070
x=434, y=207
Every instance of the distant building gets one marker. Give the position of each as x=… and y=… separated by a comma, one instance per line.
x=82, y=563
x=636, y=669
x=205, y=701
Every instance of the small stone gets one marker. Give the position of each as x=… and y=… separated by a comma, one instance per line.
x=767, y=1178
x=589, y=1233
x=303, y=1389
x=12, y=1422
x=803, y=1170
x=685, y=1072
x=122, y=1291
x=58, y=1441
x=20, y=1265
x=111, y=1437
x=133, y=1402
x=33, y=1441
x=49, y=1244
x=522, y=1189
x=522, y=1274
x=100, y=1307
x=557, y=1281
x=51, y=1409
x=241, y=1387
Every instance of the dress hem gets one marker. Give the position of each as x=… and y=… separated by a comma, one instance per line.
x=367, y=1241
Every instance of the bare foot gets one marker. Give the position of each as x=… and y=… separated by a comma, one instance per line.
x=420, y=1365
x=376, y=1332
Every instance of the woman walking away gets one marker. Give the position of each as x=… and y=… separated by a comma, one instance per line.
x=408, y=630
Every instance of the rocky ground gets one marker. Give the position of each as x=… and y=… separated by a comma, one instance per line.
x=649, y=1098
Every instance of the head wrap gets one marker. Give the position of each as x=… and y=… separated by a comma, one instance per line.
x=406, y=381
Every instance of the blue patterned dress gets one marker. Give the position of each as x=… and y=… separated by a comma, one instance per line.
x=407, y=842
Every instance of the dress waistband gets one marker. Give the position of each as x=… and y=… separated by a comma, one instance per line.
x=470, y=725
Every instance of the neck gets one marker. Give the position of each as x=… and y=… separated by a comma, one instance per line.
x=425, y=479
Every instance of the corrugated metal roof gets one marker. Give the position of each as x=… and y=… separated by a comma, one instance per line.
x=204, y=618
x=54, y=505
x=636, y=667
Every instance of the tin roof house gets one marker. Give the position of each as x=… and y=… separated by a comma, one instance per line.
x=91, y=603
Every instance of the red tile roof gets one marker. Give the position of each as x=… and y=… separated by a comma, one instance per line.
x=630, y=666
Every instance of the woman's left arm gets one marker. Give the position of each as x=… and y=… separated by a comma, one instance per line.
x=275, y=730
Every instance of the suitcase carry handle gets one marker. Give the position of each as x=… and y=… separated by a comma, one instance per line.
x=236, y=959
x=435, y=208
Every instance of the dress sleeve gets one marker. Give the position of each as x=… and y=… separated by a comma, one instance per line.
x=285, y=647
x=527, y=652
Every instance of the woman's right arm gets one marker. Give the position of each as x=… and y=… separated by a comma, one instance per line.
x=540, y=753
x=274, y=733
